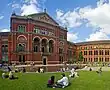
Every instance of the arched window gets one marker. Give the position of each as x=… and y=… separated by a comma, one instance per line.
x=51, y=46
x=44, y=45
x=21, y=28
x=36, y=45
x=21, y=47
x=4, y=48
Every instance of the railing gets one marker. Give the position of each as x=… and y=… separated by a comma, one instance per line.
x=22, y=51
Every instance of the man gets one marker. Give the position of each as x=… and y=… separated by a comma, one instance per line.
x=63, y=82
x=73, y=73
x=99, y=71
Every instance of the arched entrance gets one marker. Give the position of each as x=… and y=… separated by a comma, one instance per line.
x=44, y=60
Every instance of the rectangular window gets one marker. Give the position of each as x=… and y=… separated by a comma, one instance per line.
x=106, y=52
x=85, y=52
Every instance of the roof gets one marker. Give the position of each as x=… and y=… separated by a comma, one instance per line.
x=94, y=42
x=36, y=16
x=4, y=33
x=43, y=13
x=71, y=43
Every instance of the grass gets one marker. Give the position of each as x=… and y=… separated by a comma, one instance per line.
x=32, y=81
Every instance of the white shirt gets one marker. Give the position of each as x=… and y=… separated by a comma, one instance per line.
x=72, y=71
x=64, y=80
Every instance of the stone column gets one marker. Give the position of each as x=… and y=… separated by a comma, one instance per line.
x=48, y=47
x=40, y=46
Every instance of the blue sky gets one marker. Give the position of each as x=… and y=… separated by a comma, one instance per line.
x=86, y=20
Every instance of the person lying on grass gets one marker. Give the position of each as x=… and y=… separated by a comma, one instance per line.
x=11, y=75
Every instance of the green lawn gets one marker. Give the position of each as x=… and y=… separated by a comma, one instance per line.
x=32, y=81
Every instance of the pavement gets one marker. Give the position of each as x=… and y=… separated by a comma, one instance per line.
x=96, y=68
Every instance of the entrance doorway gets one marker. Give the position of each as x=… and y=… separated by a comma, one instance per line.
x=44, y=61
x=22, y=58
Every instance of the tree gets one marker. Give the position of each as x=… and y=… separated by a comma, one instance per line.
x=80, y=58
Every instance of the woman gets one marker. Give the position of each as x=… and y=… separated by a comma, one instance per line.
x=51, y=82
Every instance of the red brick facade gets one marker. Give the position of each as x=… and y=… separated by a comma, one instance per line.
x=39, y=38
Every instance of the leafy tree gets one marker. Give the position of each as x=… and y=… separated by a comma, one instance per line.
x=80, y=56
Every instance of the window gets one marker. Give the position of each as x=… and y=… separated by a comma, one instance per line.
x=60, y=51
x=21, y=28
x=100, y=52
x=21, y=58
x=20, y=47
x=106, y=59
x=106, y=52
x=35, y=48
x=85, y=52
x=4, y=48
x=90, y=52
x=100, y=59
x=96, y=52
x=61, y=36
x=95, y=59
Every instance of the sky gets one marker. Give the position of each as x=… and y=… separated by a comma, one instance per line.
x=86, y=20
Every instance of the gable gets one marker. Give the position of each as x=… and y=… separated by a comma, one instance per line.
x=44, y=17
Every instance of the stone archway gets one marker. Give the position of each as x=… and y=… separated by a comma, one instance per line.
x=36, y=44
x=51, y=46
x=44, y=45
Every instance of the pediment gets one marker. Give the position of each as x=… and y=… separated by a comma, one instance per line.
x=44, y=17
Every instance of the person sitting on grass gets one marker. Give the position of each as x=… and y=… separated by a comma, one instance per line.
x=73, y=73
x=41, y=70
x=90, y=69
x=99, y=71
x=63, y=82
x=11, y=75
x=51, y=83
x=4, y=75
x=24, y=70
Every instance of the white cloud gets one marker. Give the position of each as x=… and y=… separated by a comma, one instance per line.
x=97, y=36
x=98, y=18
x=4, y=30
x=1, y=17
x=72, y=36
x=69, y=19
x=30, y=7
x=14, y=6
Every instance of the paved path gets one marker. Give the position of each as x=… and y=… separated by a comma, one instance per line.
x=96, y=68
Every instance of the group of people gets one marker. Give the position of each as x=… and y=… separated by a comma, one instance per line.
x=10, y=75
x=63, y=82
